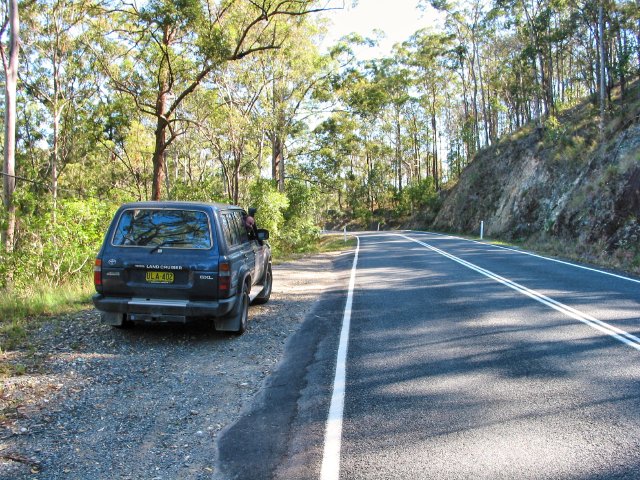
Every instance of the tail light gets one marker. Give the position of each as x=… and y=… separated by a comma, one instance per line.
x=97, y=273
x=224, y=279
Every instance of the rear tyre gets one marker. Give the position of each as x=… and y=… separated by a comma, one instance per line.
x=240, y=314
x=267, y=284
x=126, y=324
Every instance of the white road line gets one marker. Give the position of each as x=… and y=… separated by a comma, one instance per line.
x=524, y=252
x=333, y=432
x=575, y=265
x=618, y=334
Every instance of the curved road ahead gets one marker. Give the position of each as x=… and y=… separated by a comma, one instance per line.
x=463, y=361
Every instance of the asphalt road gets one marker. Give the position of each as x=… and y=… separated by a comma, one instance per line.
x=464, y=361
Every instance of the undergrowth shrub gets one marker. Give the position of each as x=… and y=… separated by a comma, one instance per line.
x=290, y=217
x=270, y=204
x=300, y=227
x=54, y=247
x=418, y=197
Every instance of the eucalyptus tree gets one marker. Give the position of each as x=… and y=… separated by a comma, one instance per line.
x=337, y=141
x=624, y=20
x=427, y=53
x=419, y=139
x=291, y=75
x=392, y=78
x=160, y=51
x=465, y=22
x=192, y=170
x=537, y=25
x=10, y=56
x=232, y=129
x=60, y=75
x=363, y=99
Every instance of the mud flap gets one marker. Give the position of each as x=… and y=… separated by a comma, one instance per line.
x=226, y=324
x=236, y=320
x=114, y=319
x=231, y=321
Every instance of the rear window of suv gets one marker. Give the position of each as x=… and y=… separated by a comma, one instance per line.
x=172, y=228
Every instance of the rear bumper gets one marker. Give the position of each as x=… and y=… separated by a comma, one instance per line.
x=160, y=309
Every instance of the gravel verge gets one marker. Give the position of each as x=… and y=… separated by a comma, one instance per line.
x=146, y=403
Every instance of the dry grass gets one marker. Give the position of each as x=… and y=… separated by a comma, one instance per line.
x=326, y=243
x=19, y=311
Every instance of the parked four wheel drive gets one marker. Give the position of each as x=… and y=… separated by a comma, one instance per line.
x=181, y=261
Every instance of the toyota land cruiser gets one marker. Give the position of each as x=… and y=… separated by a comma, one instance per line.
x=181, y=261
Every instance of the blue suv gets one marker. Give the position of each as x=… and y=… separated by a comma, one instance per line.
x=182, y=261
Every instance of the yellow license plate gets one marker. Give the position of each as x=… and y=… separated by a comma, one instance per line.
x=160, y=277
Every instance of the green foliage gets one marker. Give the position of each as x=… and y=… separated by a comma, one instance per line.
x=418, y=197
x=209, y=190
x=300, y=219
x=291, y=218
x=54, y=248
x=554, y=131
x=172, y=13
x=270, y=205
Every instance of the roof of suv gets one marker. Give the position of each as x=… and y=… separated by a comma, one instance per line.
x=178, y=204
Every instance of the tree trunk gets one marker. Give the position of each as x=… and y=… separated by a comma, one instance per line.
x=436, y=181
x=260, y=153
x=416, y=170
x=537, y=67
x=54, y=160
x=465, y=102
x=369, y=187
x=57, y=115
x=485, y=119
x=548, y=75
x=622, y=66
x=474, y=78
x=277, y=160
x=236, y=181
x=398, y=150
x=638, y=36
x=11, y=76
x=281, y=168
x=159, y=158
x=602, y=72
x=162, y=122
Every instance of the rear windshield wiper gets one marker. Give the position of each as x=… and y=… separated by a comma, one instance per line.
x=167, y=242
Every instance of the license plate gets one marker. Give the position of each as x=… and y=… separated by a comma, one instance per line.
x=160, y=277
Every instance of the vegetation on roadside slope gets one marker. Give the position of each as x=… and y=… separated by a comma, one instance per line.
x=564, y=189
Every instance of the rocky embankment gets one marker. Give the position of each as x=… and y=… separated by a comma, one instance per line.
x=562, y=187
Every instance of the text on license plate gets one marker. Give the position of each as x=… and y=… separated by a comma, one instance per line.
x=160, y=277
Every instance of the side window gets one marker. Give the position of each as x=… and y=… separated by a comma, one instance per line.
x=242, y=230
x=228, y=227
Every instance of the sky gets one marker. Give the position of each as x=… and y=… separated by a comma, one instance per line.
x=398, y=19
